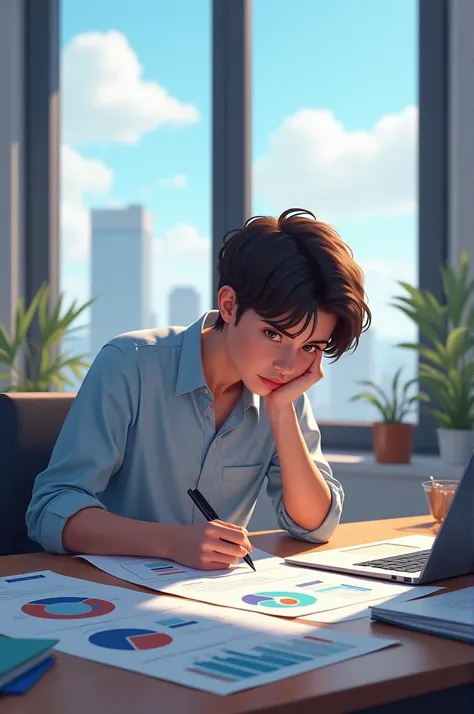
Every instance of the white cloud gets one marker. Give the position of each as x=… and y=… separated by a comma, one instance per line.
x=177, y=181
x=80, y=177
x=105, y=96
x=182, y=242
x=314, y=162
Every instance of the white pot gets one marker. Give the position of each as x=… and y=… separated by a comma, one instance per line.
x=455, y=445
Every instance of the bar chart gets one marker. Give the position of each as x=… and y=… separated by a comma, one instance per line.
x=232, y=665
x=319, y=587
x=322, y=587
x=176, y=622
x=153, y=568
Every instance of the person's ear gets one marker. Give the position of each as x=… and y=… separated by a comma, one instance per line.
x=227, y=304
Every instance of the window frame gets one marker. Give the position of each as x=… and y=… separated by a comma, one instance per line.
x=41, y=162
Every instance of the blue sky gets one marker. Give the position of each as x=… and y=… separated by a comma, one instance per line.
x=354, y=58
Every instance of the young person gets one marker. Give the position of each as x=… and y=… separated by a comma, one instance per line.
x=219, y=405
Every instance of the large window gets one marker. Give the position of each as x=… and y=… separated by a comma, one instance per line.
x=135, y=164
x=349, y=119
x=335, y=130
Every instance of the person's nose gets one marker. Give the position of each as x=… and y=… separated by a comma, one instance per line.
x=285, y=363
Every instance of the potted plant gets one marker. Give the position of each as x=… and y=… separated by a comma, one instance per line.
x=392, y=436
x=34, y=365
x=446, y=357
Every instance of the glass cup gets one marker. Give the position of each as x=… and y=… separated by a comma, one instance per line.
x=439, y=494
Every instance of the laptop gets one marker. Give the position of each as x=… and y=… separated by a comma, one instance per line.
x=413, y=559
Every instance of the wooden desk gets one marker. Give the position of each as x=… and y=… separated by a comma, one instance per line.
x=417, y=674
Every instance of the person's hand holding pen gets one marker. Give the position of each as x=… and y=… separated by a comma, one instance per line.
x=214, y=545
x=209, y=513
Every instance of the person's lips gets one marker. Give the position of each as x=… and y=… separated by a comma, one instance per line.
x=273, y=383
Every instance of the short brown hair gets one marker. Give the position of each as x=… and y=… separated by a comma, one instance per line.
x=288, y=268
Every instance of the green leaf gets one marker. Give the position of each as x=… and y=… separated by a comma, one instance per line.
x=62, y=379
x=394, y=405
x=7, y=346
x=43, y=301
x=457, y=344
x=441, y=417
x=414, y=293
x=51, y=371
x=27, y=317
x=371, y=399
x=375, y=387
x=429, y=354
x=437, y=312
x=458, y=289
x=421, y=397
x=408, y=385
x=423, y=309
x=395, y=381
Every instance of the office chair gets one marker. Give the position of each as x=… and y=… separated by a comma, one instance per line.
x=29, y=426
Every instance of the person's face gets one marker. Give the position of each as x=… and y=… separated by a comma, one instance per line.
x=259, y=353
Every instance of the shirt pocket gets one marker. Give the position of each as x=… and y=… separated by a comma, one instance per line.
x=241, y=473
x=240, y=487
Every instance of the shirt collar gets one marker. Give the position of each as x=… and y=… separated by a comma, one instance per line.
x=190, y=372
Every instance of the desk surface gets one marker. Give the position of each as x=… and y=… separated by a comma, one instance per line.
x=423, y=663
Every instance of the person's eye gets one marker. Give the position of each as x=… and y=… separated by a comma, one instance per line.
x=272, y=335
x=312, y=349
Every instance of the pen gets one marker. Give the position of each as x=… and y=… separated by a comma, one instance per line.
x=209, y=513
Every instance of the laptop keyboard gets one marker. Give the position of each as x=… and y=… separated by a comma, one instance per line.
x=409, y=563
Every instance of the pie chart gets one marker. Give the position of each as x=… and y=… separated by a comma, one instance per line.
x=279, y=599
x=68, y=608
x=130, y=639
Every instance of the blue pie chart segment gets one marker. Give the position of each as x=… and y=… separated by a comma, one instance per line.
x=279, y=599
x=130, y=639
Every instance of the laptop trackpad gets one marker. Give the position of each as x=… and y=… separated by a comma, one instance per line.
x=379, y=550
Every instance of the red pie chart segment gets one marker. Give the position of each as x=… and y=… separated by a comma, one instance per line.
x=150, y=641
x=68, y=608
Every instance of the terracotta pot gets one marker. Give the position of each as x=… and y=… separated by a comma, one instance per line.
x=392, y=443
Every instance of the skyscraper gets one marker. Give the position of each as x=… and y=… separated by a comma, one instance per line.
x=121, y=272
x=184, y=306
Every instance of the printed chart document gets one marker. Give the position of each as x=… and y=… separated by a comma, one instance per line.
x=217, y=650
x=448, y=614
x=277, y=588
x=358, y=612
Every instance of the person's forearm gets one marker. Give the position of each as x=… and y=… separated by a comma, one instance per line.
x=94, y=531
x=306, y=494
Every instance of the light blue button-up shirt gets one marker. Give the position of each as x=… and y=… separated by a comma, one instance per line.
x=141, y=431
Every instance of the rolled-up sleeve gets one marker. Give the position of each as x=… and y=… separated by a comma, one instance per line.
x=89, y=450
x=312, y=437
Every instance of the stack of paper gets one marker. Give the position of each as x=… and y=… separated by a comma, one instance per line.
x=448, y=615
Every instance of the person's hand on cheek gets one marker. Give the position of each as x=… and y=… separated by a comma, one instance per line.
x=285, y=395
